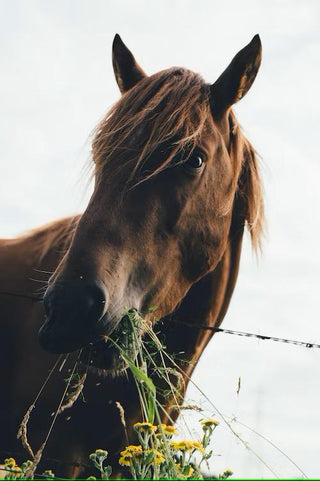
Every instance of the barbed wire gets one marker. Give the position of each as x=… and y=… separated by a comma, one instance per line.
x=48, y=459
x=308, y=345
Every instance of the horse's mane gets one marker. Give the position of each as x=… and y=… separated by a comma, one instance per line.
x=167, y=109
x=249, y=195
x=56, y=234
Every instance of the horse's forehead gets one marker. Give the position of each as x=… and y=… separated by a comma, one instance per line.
x=210, y=133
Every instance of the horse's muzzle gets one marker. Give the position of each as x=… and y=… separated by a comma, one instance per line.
x=74, y=315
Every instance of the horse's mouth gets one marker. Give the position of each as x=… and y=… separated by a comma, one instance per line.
x=103, y=355
x=106, y=349
x=111, y=353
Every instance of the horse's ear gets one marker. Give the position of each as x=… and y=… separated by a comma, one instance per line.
x=238, y=77
x=126, y=69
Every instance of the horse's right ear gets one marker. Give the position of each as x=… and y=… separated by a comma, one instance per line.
x=126, y=69
x=238, y=77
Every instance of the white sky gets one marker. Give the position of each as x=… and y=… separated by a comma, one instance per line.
x=57, y=82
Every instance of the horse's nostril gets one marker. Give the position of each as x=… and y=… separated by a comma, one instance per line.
x=95, y=300
x=73, y=311
x=65, y=302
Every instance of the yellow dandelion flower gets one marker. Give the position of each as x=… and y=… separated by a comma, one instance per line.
x=197, y=445
x=186, y=445
x=169, y=430
x=124, y=461
x=209, y=422
x=186, y=471
x=228, y=472
x=10, y=463
x=101, y=452
x=174, y=445
x=158, y=458
x=183, y=445
x=145, y=427
x=132, y=450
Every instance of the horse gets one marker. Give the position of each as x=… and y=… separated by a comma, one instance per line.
x=176, y=183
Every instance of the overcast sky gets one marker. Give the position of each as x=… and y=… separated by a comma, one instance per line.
x=57, y=82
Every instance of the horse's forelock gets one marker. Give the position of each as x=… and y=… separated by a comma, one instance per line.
x=171, y=106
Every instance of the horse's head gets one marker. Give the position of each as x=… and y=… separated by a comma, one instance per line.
x=172, y=170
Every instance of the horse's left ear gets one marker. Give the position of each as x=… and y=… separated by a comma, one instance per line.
x=238, y=77
x=126, y=69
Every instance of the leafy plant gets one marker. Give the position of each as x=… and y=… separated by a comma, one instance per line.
x=157, y=456
x=13, y=471
x=98, y=458
x=150, y=459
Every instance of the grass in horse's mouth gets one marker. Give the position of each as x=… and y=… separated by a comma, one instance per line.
x=111, y=353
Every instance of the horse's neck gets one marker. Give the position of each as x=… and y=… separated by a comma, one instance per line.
x=206, y=303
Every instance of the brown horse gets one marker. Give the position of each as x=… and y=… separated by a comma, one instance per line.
x=176, y=182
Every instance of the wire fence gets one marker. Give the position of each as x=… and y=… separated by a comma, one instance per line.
x=54, y=463
x=308, y=345
x=37, y=475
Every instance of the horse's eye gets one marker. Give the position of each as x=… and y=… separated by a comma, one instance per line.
x=194, y=163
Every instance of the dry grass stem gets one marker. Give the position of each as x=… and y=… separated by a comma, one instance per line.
x=191, y=407
x=122, y=418
x=22, y=433
x=78, y=387
x=31, y=470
